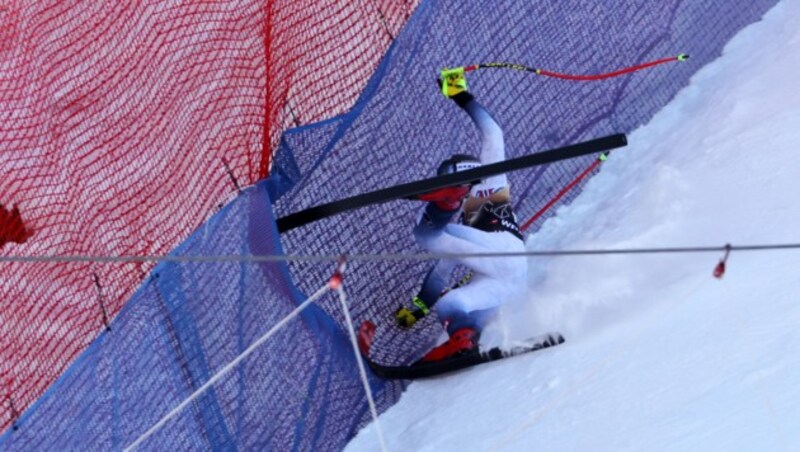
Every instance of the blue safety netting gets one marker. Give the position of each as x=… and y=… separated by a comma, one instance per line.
x=187, y=321
x=300, y=391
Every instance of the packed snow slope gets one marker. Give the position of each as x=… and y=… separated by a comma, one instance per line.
x=659, y=355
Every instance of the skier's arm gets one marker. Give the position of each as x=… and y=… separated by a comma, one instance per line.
x=454, y=86
x=495, y=188
x=492, y=140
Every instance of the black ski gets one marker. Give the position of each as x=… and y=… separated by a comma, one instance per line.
x=423, y=370
x=412, y=189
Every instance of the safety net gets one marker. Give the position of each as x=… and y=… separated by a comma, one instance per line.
x=126, y=127
x=403, y=126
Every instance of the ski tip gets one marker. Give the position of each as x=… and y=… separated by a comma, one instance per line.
x=553, y=339
x=557, y=339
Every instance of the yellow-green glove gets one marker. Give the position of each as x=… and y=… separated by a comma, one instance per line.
x=406, y=318
x=453, y=81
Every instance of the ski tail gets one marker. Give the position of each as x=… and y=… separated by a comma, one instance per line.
x=366, y=334
x=431, y=369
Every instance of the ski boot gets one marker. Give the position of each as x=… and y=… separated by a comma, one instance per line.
x=462, y=342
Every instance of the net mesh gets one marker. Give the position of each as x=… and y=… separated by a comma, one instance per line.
x=119, y=121
x=188, y=320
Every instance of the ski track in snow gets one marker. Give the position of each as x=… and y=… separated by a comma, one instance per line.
x=659, y=354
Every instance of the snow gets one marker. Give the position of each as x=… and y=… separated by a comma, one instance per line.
x=659, y=355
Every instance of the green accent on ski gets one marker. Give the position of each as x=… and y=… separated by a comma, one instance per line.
x=603, y=157
x=417, y=301
x=683, y=57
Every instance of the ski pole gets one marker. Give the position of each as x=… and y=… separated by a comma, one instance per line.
x=602, y=158
x=579, y=77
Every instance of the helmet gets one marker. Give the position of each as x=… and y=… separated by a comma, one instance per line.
x=457, y=163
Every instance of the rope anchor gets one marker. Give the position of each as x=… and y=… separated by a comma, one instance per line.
x=719, y=270
x=338, y=276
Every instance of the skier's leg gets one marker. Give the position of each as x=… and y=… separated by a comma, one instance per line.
x=457, y=319
x=430, y=225
x=464, y=242
x=495, y=280
x=436, y=281
x=465, y=305
x=463, y=324
x=460, y=308
x=430, y=233
x=436, y=215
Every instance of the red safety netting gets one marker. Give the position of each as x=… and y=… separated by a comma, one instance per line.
x=123, y=126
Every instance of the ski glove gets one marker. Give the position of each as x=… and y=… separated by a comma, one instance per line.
x=406, y=318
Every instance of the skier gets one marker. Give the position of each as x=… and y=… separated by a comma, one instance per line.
x=488, y=225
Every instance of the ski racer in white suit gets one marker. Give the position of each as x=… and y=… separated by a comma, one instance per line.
x=488, y=225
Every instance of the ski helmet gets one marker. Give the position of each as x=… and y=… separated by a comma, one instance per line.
x=457, y=163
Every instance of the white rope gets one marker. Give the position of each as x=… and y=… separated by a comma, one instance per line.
x=227, y=368
x=389, y=256
x=361, y=367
